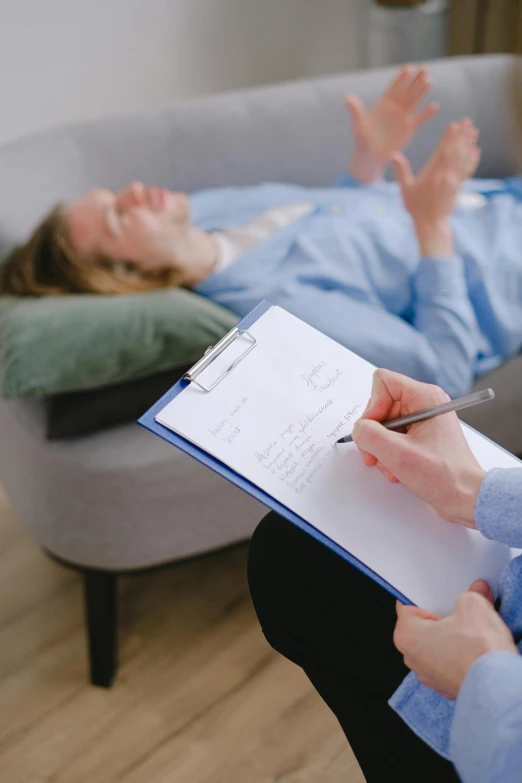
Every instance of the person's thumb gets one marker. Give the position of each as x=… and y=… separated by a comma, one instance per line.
x=387, y=446
x=481, y=586
x=408, y=612
x=356, y=109
x=402, y=169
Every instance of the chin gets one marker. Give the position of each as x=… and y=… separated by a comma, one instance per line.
x=178, y=205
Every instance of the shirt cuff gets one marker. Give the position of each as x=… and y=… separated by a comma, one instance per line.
x=347, y=180
x=440, y=277
x=498, y=513
x=487, y=723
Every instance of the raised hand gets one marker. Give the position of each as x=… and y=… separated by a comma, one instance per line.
x=430, y=196
x=390, y=125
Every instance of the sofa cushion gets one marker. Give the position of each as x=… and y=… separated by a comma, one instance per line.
x=501, y=419
x=53, y=345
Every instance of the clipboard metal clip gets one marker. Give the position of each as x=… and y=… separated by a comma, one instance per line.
x=213, y=352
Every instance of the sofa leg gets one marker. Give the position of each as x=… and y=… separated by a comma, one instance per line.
x=101, y=610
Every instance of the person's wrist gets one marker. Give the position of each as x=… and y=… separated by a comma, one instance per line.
x=462, y=502
x=434, y=236
x=364, y=168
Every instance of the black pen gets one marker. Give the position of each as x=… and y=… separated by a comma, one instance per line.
x=438, y=410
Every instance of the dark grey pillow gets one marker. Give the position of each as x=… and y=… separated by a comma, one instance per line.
x=74, y=414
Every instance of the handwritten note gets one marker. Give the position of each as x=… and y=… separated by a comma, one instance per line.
x=275, y=418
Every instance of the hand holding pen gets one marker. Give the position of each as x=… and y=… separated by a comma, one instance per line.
x=429, y=413
x=432, y=458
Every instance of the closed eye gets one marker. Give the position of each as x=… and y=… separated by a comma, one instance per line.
x=111, y=219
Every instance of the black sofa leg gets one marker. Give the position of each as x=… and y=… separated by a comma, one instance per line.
x=101, y=613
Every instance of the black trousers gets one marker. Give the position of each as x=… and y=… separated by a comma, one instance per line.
x=337, y=624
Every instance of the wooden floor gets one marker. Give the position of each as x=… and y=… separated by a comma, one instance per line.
x=200, y=696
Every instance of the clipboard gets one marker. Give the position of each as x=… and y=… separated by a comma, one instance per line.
x=149, y=422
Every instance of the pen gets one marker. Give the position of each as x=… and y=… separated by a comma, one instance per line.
x=430, y=413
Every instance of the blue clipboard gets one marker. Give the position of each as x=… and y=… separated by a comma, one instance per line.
x=149, y=422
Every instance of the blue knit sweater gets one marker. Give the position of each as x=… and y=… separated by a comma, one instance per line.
x=482, y=731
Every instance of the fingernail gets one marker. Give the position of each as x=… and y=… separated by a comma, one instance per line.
x=482, y=587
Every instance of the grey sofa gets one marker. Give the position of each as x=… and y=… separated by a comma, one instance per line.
x=123, y=500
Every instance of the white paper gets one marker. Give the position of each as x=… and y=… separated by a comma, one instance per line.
x=275, y=419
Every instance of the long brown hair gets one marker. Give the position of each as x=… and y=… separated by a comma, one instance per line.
x=47, y=264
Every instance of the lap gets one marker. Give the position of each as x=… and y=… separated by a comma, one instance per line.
x=298, y=583
x=337, y=624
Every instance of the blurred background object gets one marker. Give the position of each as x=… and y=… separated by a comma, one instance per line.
x=406, y=31
x=63, y=61
x=478, y=26
x=400, y=3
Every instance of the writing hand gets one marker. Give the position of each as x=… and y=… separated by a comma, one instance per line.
x=390, y=125
x=432, y=458
x=441, y=651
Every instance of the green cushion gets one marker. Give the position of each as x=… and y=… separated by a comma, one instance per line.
x=66, y=343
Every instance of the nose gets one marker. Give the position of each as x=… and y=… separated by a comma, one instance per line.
x=132, y=196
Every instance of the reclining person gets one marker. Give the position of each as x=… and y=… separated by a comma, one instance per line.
x=429, y=285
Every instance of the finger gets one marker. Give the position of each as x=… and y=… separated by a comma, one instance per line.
x=392, y=451
x=448, y=136
x=468, y=125
x=475, y=157
x=402, y=79
x=381, y=400
x=393, y=392
x=389, y=475
x=417, y=89
x=402, y=170
x=356, y=109
x=427, y=114
x=415, y=101
x=370, y=461
x=412, y=623
x=481, y=586
x=466, y=130
x=408, y=612
x=445, y=145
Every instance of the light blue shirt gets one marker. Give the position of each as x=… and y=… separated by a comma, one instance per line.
x=351, y=268
x=482, y=731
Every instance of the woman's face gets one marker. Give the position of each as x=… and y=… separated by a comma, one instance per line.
x=137, y=224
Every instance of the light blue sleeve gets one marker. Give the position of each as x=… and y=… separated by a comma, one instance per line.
x=498, y=513
x=387, y=340
x=443, y=313
x=346, y=180
x=486, y=733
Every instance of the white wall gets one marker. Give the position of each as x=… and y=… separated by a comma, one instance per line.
x=68, y=60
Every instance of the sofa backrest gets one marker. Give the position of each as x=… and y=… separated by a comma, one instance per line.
x=293, y=132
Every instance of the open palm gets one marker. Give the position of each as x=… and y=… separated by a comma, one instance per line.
x=430, y=196
x=390, y=125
